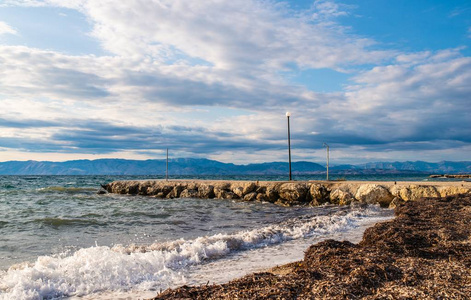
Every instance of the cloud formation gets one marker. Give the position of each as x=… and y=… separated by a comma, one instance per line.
x=6, y=29
x=211, y=78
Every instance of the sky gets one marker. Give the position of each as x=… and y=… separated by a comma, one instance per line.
x=377, y=80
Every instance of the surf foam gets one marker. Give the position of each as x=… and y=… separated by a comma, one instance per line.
x=160, y=265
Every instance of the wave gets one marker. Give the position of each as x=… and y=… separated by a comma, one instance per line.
x=159, y=265
x=68, y=190
x=58, y=222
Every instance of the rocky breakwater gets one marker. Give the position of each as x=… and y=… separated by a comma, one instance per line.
x=289, y=193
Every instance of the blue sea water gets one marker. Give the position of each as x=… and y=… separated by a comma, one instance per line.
x=60, y=239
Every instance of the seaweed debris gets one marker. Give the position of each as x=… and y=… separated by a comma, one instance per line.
x=424, y=253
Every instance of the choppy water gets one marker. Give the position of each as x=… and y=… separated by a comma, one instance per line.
x=58, y=238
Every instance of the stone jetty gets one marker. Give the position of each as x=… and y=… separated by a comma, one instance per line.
x=289, y=193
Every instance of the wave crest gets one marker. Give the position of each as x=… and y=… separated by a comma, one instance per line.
x=159, y=265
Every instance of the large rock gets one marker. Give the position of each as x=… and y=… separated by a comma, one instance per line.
x=341, y=197
x=415, y=192
x=293, y=192
x=319, y=194
x=221, y=189
x=396, y=202
x=143, y=187
x=176, y=191
x=374, y=193
x=239, y=191
x=250, y=196
x=206, y=191
x=453, y=190
x=187, y=193
x=262, y=197
x=272, y=192
x=124, y=187
x=249, y=187
x=243, y=188
x=223, y=194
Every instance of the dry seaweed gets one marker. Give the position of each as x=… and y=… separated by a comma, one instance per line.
x=424, y=253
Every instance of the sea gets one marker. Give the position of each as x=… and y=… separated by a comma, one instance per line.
x=59, y=239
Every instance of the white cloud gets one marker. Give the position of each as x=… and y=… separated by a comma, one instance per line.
x=6, y=29
x=237, y=35
x=322, y=9
x=170, y=57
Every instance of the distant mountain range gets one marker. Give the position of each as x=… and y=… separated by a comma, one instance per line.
x=196, y=166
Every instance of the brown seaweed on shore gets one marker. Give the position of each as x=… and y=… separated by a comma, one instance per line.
x=424, y=253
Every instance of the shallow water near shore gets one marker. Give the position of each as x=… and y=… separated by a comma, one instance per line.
x=59, y=239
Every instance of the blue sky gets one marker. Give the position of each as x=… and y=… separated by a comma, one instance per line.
x=378, y=80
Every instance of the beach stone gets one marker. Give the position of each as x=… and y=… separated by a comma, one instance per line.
x=221, y=188
x=222, y=185
x=153, y=190
x=230, y=195
x=159, y=195
x=166, y=189
x=249, y=187
x=187, y=193
x=261, y=189
x=243, y=188
x=453, y=190
x=293, y=192
x=341, y=197
x=374, y=193
x=319, y=194
x=176, y=191
x=415, y=192
x=287, y=203
x=206, y=191
x=250, y=196
x=131, y=187
x=262, y=198
x=396, y=202
x=192, y=186
x=219, y=194
x=272, y=192
x=143, y=186
x=395, y=190
x=239, y=191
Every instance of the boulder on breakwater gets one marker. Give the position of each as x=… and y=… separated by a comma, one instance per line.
x=289, y=193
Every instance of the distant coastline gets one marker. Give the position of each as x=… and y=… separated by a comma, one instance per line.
x=201, y=167
x=451, y=176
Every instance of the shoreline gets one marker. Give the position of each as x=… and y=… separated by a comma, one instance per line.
x=290, y=193
x=424, y=252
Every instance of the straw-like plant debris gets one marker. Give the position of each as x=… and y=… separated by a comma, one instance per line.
x=424, y=253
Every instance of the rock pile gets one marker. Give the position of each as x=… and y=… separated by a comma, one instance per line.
x=289, y=193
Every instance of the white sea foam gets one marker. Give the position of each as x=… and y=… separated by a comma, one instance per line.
x=160, y=265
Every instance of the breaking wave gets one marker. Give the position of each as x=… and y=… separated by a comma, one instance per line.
x=58, y=222
x=68, y=190
x=159, y=265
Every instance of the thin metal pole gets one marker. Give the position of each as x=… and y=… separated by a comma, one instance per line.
x=166, y=171
x=327, y=148
x=289, y=151
x=327, y=163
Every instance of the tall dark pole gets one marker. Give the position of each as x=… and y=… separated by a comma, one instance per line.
x=327, y=146
x=288, y=114
x=166, y=170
